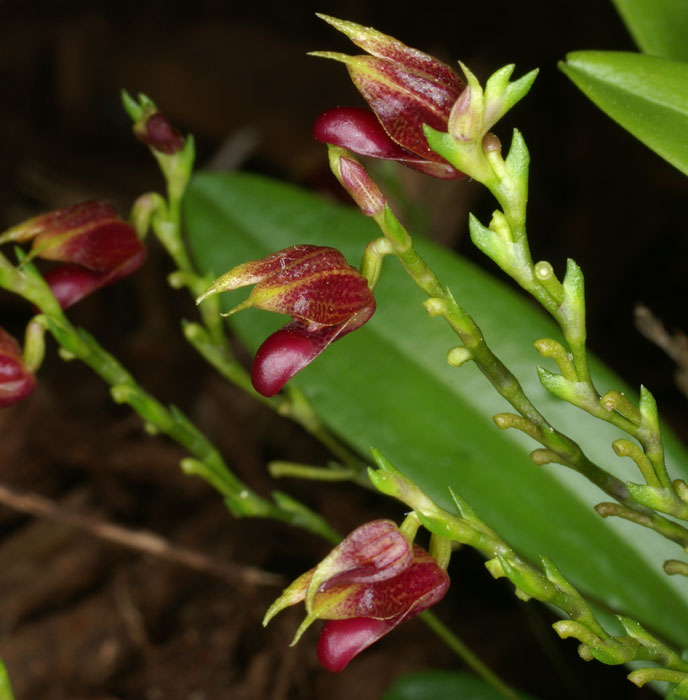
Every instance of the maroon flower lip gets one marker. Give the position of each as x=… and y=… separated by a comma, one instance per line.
x=315, y=285
x=359, y=130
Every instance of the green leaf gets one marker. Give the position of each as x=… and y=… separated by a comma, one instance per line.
x=658, y=27
x=443, y=685
x=648, y=96
x=387, y=385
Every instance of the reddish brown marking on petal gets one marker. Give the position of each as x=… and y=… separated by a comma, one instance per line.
x=387, y=47
x=318, y=287
x=403, y=102
x=100, y=247
x=418, y=586
x=375, y=551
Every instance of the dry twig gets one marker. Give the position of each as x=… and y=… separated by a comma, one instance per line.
x=140, y=540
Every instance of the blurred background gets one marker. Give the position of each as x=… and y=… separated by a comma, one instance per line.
x=84, y=619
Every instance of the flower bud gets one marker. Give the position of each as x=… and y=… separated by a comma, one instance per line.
x=356, y=181
x=155, y=130
x=16, y=382
x=325, y=296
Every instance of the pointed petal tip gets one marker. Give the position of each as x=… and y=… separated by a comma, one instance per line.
x=333, y=55
x=203, y=296
x=307, y=622
x=334, y=21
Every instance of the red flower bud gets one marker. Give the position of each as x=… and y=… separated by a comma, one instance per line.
x=405, y=88
x=156, y=131
x=374, y=580
x=16, y=382
x=356, y=181
x=325, y=296
x=100, y=247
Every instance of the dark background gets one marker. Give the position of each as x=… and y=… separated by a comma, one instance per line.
x=83, y=619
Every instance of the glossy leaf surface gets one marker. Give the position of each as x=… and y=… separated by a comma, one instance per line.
x=658, y=27
x=646, y=95
x=387, y=385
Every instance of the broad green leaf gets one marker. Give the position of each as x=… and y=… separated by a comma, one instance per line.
x=443, y=685
x=658, y=27
x=648, y=96
x=387, y=385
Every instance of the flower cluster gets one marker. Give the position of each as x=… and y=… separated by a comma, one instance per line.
x=315, y=285
x=374, y=580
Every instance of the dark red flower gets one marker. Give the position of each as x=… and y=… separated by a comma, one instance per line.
x=98, y=247
x=405, y=88
x=315, y=285
x=374, y=580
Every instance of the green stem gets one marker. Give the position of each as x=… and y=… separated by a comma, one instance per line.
x=167, y=420
x=442, y=303
x=293, y=404
x=647, y=518
x=464, y=653
x=296, y=406
x=546, y=584
x=5, y=687
x=279, y=469
x=210, y=339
